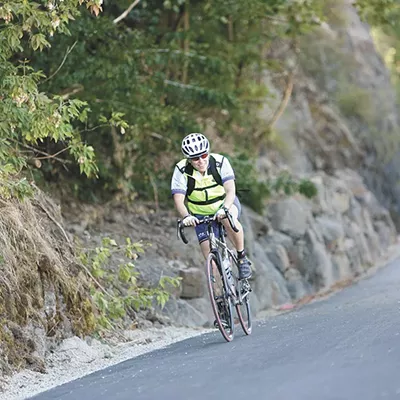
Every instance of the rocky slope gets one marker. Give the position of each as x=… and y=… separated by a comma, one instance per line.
x=341, y=97
x=300, y=247
x=343, y=111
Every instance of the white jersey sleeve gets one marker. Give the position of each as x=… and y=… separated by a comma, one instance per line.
x=226, y=172
x=178, y=182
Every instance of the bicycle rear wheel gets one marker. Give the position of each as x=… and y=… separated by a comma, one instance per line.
x=243, y=290
x=220, y=300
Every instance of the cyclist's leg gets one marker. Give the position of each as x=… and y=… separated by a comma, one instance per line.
x=205, y=247
x=237, y=238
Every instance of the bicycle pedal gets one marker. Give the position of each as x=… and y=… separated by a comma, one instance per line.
x=225, y=325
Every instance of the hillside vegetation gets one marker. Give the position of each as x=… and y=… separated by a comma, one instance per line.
x=109, y=89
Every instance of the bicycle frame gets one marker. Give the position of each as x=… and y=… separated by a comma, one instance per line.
x=219, y=246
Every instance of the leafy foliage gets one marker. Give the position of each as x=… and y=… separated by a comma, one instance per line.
x=378, y=12
x=124, y=294
x=164, y=66
x=29, y=116
x=387, y=37
x=355, y=101
x=127, y=87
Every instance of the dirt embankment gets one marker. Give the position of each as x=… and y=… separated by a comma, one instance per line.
x=43, y=292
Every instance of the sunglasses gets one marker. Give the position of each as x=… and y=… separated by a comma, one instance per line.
x=203, y=156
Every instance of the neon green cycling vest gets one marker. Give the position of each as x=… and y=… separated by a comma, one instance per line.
x=207, y=195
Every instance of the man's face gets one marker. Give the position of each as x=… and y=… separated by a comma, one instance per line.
x=200, y=163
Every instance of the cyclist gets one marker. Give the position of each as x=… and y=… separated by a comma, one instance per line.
x=207, y=181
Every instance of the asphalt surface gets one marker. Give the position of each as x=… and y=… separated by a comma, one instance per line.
x=344, y=347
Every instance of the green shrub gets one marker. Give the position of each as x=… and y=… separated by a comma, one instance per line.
x=354, y=101
x=116, y=292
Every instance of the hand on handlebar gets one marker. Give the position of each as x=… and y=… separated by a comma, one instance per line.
x=220, y=214
x=190, y=220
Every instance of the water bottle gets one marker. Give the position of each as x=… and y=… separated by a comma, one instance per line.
x=228, y=272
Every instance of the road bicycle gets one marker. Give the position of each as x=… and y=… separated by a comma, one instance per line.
x=226, y=290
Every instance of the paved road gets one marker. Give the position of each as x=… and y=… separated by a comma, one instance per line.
x=345, y=347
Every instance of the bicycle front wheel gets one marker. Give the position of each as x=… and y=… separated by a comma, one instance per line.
x=243, y=307
x=243, y=290
x=220, y=300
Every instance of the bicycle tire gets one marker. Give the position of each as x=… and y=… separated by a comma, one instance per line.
x=228, y=329
x=243, y=309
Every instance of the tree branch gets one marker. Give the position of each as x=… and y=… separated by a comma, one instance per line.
x=62, y=62
x=71, y=91
x=277, y=19
x=284, y=102
x=185, y=53
x=182, y=85
x=160, y=137
x=94, y=128
x=230, y=28
x=55, y=222
x=53, y=155
x=47, y=155
x=154, y=185
x=186, y=43
x=126, y=12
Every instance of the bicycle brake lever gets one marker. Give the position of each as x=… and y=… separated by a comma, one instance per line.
x=180, y=232
x=230, y=219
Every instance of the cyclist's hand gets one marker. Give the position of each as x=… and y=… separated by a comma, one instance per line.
x=190, y=220
x=220, y=214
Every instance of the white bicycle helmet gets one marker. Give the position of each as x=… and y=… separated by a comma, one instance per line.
x=195, y=145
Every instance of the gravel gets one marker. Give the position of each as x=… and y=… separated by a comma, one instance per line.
x=76, y=357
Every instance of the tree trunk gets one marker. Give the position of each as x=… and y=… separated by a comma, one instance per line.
x=230, y=29
x=186, y=43
x=285, y=100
